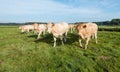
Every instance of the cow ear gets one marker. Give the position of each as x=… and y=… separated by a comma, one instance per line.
x=84, y=26
x=53, y=24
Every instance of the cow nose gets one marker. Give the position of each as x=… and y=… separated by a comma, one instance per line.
x=22, y=31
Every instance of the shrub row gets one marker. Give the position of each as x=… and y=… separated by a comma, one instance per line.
x=109, y=29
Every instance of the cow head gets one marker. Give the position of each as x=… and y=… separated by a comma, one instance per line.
x=35, y=25
x=81, y=29
x=49, y=27
x=20, y=27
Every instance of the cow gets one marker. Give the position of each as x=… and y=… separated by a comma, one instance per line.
x=86, y=31
x=35, y=27
x=26, y=28
x=58, y=30
x=40, y=29
x=72, y=27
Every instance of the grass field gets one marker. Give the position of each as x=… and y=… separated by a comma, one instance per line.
x=23, y=53
x=109, y=28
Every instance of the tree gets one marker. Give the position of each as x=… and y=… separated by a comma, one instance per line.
x=115, y=21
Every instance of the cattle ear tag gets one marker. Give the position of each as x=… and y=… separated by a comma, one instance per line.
x=84, y=26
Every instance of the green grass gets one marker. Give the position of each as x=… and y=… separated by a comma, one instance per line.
x=114, y=26
x=23, y=53
x=109, y=28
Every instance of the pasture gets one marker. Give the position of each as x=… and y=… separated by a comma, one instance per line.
x=24, y=53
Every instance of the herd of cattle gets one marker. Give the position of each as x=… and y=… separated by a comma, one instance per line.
x=85, y=31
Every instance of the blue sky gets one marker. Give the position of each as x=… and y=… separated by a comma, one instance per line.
x=58, y=10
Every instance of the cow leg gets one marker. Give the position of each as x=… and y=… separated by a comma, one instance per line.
x=71, y=30
x=93, y=36
x=96, y=38
x=54, y=41
x=86, y=42
x=43, y=32
x=80, y=41
x=32, y=30
x=61, y=38
x=27, y=31
x=39, y=35
x=65, y=35
x=35, y=31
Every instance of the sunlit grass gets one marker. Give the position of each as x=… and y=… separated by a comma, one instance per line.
x=24, y=53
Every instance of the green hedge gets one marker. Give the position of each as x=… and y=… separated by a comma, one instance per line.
x=109, y=29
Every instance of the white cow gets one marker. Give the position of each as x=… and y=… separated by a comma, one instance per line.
x=26, y=28
x=58, y=30
x=41, y=29
x=86, y=31
x=72, y=27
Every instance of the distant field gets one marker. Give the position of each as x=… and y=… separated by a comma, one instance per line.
x=109, y=28
x=23, y=53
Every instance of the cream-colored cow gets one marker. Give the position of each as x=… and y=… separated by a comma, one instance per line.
x=86, y=31
x=41, y=29
x=72, y=27
x=59, y=30
x=35, y=25
x=26, y=28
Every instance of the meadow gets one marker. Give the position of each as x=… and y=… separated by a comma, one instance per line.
x=109, y=28
x=24, y=53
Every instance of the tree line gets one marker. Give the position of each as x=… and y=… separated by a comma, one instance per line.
x=26, y=23
x=112, y=22
x=115, y=21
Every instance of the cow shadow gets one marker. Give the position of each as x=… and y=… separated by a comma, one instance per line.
x=48, y=38
x=71, y=38
x=32, y=36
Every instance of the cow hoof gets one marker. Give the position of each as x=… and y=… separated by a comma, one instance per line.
x=85, y=48
x=81, y=46
x=38, y=38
